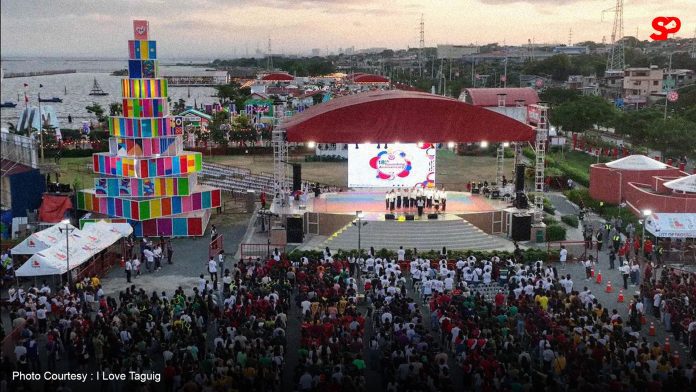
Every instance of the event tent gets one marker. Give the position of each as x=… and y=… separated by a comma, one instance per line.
x=83, y=245
x=672, y=225
x=42, y=240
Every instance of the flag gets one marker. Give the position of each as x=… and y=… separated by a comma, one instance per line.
x=503, y=78
x=40, y=85
x=26, y=98
x=26, y=85
x=478, y=76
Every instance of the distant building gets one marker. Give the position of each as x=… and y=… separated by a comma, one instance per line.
x=455, y=51
x=677, y=78
x=571, y=50
x=194, y=77
x=640, y=83
x=611, y=85
x=511, y=102
x=586, y=84
x=316, y=52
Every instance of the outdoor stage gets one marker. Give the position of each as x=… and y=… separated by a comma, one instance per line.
x=372, y=204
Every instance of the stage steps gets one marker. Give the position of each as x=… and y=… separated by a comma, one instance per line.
x=424, y=235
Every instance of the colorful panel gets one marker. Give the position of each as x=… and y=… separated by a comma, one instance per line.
x=146, y=167
x=203, y=199
x=144, y=88
x=144, y=187
x=142, y=50
x=145, y=147
x=145, y=107
x=140, y=127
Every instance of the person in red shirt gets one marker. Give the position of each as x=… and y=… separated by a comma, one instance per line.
x=648, y=249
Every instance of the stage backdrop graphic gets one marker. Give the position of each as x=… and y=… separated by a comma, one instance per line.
x=398, y=165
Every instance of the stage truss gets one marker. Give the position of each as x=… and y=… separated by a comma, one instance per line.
x=542, y=135
x=280, y=159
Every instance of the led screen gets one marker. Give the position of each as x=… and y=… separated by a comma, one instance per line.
x=396, y=165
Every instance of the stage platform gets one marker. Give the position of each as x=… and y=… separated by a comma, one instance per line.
x=372, y=204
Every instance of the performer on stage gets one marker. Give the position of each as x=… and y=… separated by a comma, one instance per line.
x=392, y=200
x=412, y=198
x=398, y=199
x=443, y=199
x=420, y=203
x=386, y=200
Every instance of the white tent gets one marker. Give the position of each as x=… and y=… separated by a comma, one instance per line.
x=83, y=245
x=42, y=240
x=683, y=184
x=672, y=225
x=637, y=162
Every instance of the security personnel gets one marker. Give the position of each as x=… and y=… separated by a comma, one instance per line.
x=617, y=241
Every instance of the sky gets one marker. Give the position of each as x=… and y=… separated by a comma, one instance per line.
x=236, y=28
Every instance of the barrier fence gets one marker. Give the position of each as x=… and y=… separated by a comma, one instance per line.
x=259, y=250
x=577, y=250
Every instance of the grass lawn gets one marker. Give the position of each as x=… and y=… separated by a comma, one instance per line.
x=453, y=171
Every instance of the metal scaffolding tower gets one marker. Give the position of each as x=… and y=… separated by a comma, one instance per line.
x=500, y=167
x=542, y=134
x=280, y=159
x=616, y=59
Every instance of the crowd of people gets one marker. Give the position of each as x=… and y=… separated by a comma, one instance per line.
x=205, y=339
x=416, y=325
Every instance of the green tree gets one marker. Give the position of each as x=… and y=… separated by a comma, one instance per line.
x=98, y=111
x=557, y=96
x=583, y=113
x=115, y=109
x=675, y=137
x=637, y=126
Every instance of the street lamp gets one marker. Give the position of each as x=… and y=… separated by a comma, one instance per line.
x=359, y=215
x=67, y=229
x=646, y=214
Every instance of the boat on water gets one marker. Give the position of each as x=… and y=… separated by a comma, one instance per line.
x=96, y=89
x=53, y=99
x=8, y=104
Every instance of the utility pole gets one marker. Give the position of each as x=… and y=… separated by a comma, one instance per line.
x=570, y=37
x=269, y=59
x=421, y=47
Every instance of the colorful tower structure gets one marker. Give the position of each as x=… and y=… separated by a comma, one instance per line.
x=147, y=177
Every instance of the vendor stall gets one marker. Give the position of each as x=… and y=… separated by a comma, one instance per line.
x=82, y=246
x=675, y=233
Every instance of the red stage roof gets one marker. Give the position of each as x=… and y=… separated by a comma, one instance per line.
x=402, y=116
x=369, y=78
x=489, y=96
x=278, y=76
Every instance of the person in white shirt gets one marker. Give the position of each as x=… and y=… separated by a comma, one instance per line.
x=449, y=283
x=136, y=267
x=129, y=270
x=149, y=259
x=563, y=256
x=212, y=269
x=401, y=254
